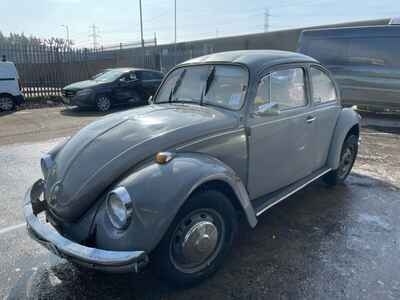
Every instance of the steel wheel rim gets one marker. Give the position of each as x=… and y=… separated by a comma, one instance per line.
x=197, y=240
x=6, y=103
x=103, y=103
x=346, y=162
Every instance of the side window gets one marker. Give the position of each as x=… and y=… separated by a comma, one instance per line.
x=156, y=75
x=322, y=86
x=148, y=75
x=281, y=90
x=128, y=77
x=132, y=76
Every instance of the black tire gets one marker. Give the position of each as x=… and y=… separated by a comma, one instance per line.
x=103, y=103
x=7, y=103
x=347, y=158
x=177, y=269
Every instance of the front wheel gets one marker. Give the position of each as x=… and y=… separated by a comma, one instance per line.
x=103, y=103
x=347, y=157
x=7, y=103
x=198, y=239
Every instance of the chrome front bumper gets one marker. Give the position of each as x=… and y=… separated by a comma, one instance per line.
x=46, y=235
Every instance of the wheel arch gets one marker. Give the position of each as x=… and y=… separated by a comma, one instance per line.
x=8, y=95
x=158, y=198
x=238, y=201
x=348, y=123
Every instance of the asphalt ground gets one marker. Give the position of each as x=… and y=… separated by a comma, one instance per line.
x=321, y=243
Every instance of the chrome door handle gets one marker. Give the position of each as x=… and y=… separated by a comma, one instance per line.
x=310, y=119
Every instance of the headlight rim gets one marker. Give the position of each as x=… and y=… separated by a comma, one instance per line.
x=123, y=195
x=46, y=164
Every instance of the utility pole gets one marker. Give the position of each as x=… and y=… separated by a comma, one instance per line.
x=175, y=22
x=94, y=35
x=266, y=20
x=141, y=30
x=175, y=31
x=67, y=30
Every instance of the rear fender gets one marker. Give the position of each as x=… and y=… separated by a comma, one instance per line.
x=347, y=119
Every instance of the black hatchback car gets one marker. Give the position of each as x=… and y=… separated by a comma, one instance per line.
x=113, y=87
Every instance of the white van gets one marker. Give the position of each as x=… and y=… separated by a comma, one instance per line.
x=10, y=90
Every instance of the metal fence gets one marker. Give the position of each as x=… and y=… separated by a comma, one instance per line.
x=44, y=71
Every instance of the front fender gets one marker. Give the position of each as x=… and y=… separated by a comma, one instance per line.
x=347, y=119
x=158, y=191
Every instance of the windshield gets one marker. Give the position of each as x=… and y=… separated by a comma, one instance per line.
x=108, y=76
x=220, y=85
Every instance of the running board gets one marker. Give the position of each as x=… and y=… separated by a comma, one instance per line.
x=264, y=203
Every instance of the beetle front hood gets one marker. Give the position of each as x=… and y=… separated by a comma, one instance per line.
x=103, y=151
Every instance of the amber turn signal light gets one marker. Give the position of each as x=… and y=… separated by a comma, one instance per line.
x=164, y=157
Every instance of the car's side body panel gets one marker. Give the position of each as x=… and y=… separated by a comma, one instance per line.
x=326, y=115
x=158, y=197
x=324, y=125
x=230, y=147
x=346, y=120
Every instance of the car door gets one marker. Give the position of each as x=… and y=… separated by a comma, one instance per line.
x=280, y=131
x=149, y=82
x=126, y=86
x=325, y=109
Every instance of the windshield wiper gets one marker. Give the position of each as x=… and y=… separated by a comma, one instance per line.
x=176, y=86
x=210, y=78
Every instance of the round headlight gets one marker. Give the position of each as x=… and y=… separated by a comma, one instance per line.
x=46, y=163
x=119, y=207
x=55, y=192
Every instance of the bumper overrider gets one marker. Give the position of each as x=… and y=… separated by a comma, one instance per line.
x=50, y=238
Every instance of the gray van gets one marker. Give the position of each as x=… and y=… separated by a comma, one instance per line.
x=365, y=62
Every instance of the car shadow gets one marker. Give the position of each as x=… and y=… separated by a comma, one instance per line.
x=308, y=246
x=6, y=113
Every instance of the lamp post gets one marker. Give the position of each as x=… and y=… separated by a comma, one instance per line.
x=67, y=30
x=141, y=31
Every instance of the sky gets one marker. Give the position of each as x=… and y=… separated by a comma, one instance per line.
x=117, y=21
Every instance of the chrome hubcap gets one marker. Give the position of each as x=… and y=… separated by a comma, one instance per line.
x=6, y=103
x=200, y=241
x=197, y=240
x=103, y=103
x=346, y=162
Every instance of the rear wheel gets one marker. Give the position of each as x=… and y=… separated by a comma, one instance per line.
x=347, y=157
x=7, y=103
x=103, y=103
x=198, y=239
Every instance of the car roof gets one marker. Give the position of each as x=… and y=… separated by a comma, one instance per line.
x=253, y=59
x=349, y=32
x=128, y=69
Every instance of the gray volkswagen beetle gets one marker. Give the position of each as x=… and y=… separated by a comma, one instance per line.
x=226, y=135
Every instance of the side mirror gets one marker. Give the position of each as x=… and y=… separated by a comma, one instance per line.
x=150, y=100
x=268, y=109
